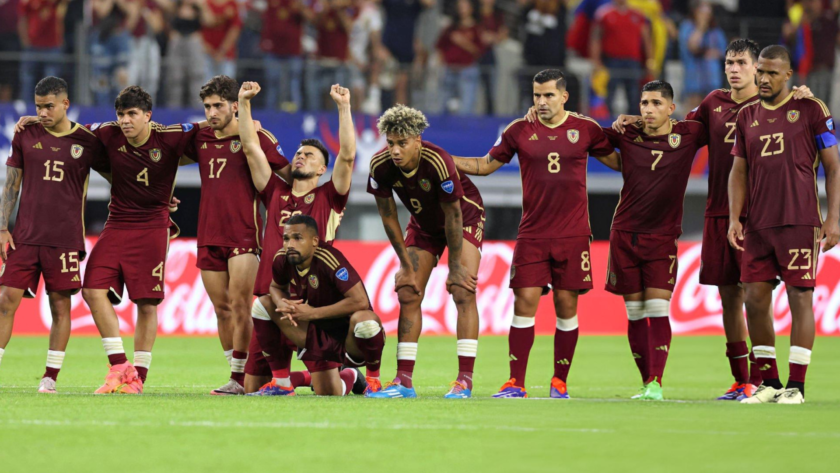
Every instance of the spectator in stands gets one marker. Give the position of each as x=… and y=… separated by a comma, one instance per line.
x=333, y=24
x=282, y=32
x=9, y=43
x=185, y=66
x=41, y=34
x=365, y=43
x=813, y=43
x=460, y=47
x=702, y=45
x=110, y=47
x=145, y=22
x=399, y=40
x=220, y=37
x=621, y=43
x=544, y=23
x=493, y=29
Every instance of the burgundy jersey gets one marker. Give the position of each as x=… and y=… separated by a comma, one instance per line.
x=324, y=283
x=143, y=177
x=435, y=180
x=552, y=162
x=655, y=171
x=229, y=213
x=56, y=168
x=781, y=145
x=718, y=112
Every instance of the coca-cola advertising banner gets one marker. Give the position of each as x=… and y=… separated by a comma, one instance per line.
x=695, y=309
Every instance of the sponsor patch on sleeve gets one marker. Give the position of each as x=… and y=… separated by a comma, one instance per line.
x=447, y=186
x=187, y=127
x=342, y=274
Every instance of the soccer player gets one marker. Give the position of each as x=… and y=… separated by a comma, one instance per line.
x=552, y=247
x=132, y=248
x=229, y=221
x=49, y=234
x=325, y=308
x=324, y=203
x=446, y=212
x=656, y=162
x=720, y=263
x=779, y=144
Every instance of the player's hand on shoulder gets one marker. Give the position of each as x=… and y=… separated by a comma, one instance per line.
x=802, y=92
x=249, y=90
x=25, y=121
x=339, y=94
x=622, y=121
x=735, y=235
x=531, y=116
x=6, y=239
x=405, y=277
x=459, y=276
x=831, y=232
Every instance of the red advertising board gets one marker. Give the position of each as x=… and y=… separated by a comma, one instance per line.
x=695, y=309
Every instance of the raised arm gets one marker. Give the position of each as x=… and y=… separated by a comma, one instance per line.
x=342, y=173
x=477, y=166
x=454, y=229
x=14, y=176
x=831, y=226
x=257, y=162
x=390, y=220
x=737, y=194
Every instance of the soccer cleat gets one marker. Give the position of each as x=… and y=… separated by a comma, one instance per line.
x=47, y=386
x=458, y=390
x=748, y=391
x=273, y=389
x=509, y=390
x=653, y=392
x=131, y=385
x=373, y=386
x=558, y=389
x=360, y=385
x=393, y=390
x=114, y=380
x=232, y=388
x=639, y=394
x=790, y=396
x=763, y=395
x=733, y=393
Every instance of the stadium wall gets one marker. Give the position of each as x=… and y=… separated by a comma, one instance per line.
x=695, y=309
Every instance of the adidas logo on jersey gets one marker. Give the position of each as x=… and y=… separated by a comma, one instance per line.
x=397, y=184
x=533, y=137
x=285, y=197
x=588, y=278
x=719, y=109
x=754, y=124
x=671, y=281
x=156, y=288
x=807, y=276
x=38, y=145
x=122, y=149
x=638, y=139
x=75, y=279
x=204, y=146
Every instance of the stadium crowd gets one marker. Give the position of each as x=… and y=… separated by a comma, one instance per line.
x=450, y=56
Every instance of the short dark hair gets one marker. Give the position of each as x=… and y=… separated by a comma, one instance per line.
x=306, y=220
x=551, y=74
x=223, y=86
x=741, y=45
x=50, y=86
x=316, y=143
x=660, y=86
x=776, y=51
x=133, y=96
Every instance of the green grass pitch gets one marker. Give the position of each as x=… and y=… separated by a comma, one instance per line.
x=176, y=426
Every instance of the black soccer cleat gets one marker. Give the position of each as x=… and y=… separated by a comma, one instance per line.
x=361, y=383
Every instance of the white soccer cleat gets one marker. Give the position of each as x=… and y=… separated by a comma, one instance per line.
x=47, y=386
x=764, y=395
x=790, y=396
x=231, y=388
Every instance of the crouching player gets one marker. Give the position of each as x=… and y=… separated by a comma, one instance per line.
x=323, y=308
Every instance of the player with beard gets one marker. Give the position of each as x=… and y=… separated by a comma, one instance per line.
x=229, y=221
x=49, y=233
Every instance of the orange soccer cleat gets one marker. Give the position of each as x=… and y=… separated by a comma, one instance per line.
x=115, y=379
x=373, y=385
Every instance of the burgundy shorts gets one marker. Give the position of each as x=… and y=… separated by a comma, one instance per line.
x=24, y=266
x=790, y=252
x=563, y=262
x=435, y=244
x=720, y=264
x=215, y=258
x=135, y=258
x=641, y=260
x=324, y=348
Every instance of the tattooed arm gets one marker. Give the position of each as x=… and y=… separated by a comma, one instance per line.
x=454, y=228
x=14, y=176
x=390, y=220
x=477, y=166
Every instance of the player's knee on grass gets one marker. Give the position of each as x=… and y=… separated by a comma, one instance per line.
x=408, y=297
x=327, y=383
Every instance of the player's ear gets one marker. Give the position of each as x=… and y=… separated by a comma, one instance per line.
x=234, y=106
x=564, y=97
x=671, y=108
x=148, y=115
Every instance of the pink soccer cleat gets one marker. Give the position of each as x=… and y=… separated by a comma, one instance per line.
x=114, y=380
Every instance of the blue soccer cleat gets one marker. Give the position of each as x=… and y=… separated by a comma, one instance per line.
x=734, y=392
x=510, y=391
x=558, y=389
x=273, y=389
x=458, y=391
x=393, y=390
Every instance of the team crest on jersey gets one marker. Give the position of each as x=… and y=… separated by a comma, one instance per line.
x=674, y=140
x=309, y=199
x=155, y=154
x=187, y=127
x=793, y=115
x=573, y=136
x=76, y=151
x=425, y=185
x=235, y=146
x=313, y=281
x=447, y=186
x=343, y=274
